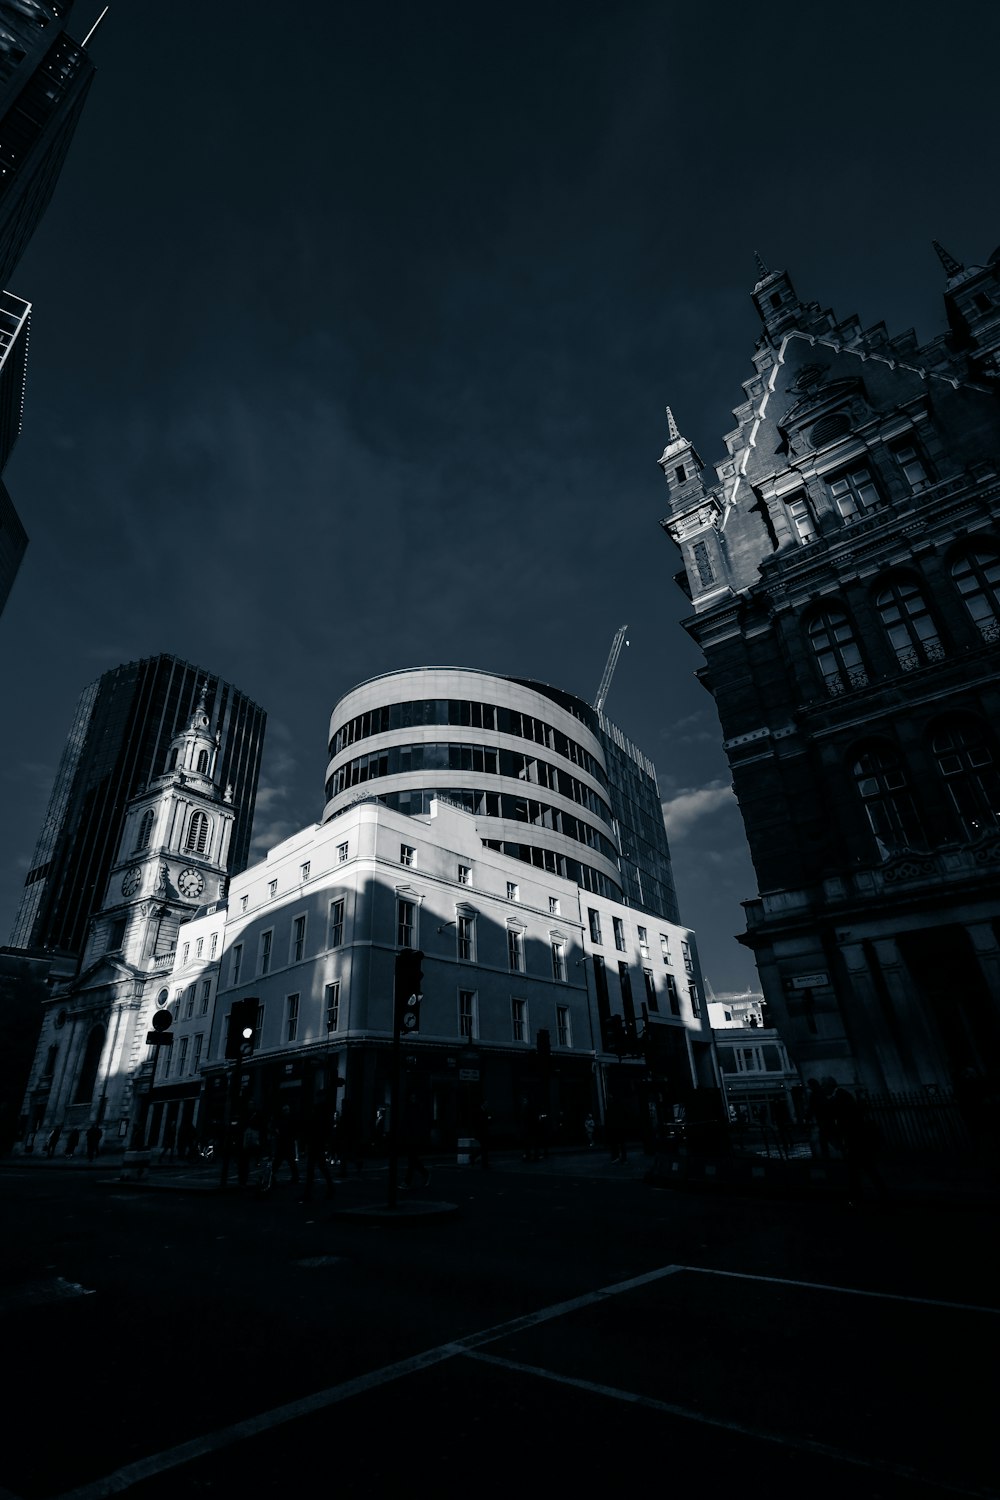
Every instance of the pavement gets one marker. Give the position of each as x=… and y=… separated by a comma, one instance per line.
x=746, y=1172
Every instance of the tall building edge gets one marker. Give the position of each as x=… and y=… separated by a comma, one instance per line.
x=843, y=565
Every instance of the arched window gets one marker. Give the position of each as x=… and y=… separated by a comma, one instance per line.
x=202, y=761
x=88, y=1071
x=145, y=830
x=977, y=578
x=197, y=836
x=831, y=636
x=966, y=761
x=881, y=784
x=908, y=624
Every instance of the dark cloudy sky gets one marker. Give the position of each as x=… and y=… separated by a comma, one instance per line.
x=354, y=325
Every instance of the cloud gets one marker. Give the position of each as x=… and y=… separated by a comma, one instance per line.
x=681, y=813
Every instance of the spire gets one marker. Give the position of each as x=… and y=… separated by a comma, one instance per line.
x=952, y=267
x=762, y=271
x=672, y=432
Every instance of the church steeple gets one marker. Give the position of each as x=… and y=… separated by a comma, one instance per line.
x=682, y=467
x=776, y=299
x=193, y=752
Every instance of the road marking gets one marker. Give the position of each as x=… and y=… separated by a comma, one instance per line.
x=687, y=1414
x=845, y=1291
x=225, y=1437
x=212, y=1442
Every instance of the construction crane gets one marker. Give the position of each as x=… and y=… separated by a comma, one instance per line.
x=609, y=670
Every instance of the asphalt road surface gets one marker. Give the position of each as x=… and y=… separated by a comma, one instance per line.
x=568, y=1327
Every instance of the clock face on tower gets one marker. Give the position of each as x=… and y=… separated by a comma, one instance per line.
x=190, y=882
x=131, y=881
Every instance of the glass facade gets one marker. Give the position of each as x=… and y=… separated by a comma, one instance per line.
x=117, y=744
x=616, y=811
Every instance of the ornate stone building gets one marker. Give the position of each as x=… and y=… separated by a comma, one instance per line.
x=92, y=1062
x=843, y=564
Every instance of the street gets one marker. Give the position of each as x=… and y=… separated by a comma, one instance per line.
x=568, y=1325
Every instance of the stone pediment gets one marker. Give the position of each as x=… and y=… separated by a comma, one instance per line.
x=108, y=969
x=827, y=411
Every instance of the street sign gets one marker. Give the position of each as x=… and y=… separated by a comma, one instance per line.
x=159, y=1039
x=809, y=981
x=468, y=1075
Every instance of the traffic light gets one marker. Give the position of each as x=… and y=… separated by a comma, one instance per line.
x=407, y=991
x=241, y=1026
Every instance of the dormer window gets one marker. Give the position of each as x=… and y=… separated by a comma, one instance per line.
x=912, y=465
x=801, y=518
x=197, y=835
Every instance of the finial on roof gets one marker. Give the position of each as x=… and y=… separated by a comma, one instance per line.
x=952, y=267
x=762, y=270
x=202, y=695
x=672, y=432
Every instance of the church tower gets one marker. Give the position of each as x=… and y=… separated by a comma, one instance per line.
x=171, y=863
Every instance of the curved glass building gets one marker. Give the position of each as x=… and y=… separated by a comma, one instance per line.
x=556, y=784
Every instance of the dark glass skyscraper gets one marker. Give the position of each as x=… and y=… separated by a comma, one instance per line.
x=44, y=79
x=118, y=742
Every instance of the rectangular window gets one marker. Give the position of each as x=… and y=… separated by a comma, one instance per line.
x=304, y=870
x=619, y=927
x=515, y=951
x=513, y=891
x=519, y=1020
x=213, y=946
x=264, y=958
x=594, y=918
x=272, y=887
x=673, y=996
x=206, y=995
x=643, y=942
x=665, y=947
x=406, y=918
x=258, y=1027
x=564, y=1035
x=291, y=1017
x=553, y=906
x=237, y=964
x=695, y=1001
x=199, y=1043
x=465, y=874
x=651, y=1000
x=801, y=518
x=559, y=962
x=189, y=1005
x=467, y=1018
x=910, y=462
x=182, y=1060
x=407, y=855
x=199, y=947
x=466, y=939
x=184, y=952
x=298, y=939
x=333, y=1005
x=854, y=493
x=342, y=851
x=686, y=956
x=337, y=922
x=243, y=902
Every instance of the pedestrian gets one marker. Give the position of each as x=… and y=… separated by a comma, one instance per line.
x=614, y=1123
x=819, y=1118
x=53, y=1141
x=319, y=1134
x=483, y=1127
x=286, y=1147
x=94, y=1133
x=72, y=1141
x=589, y=1127
x=858, y=1140
x=349, y=1146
